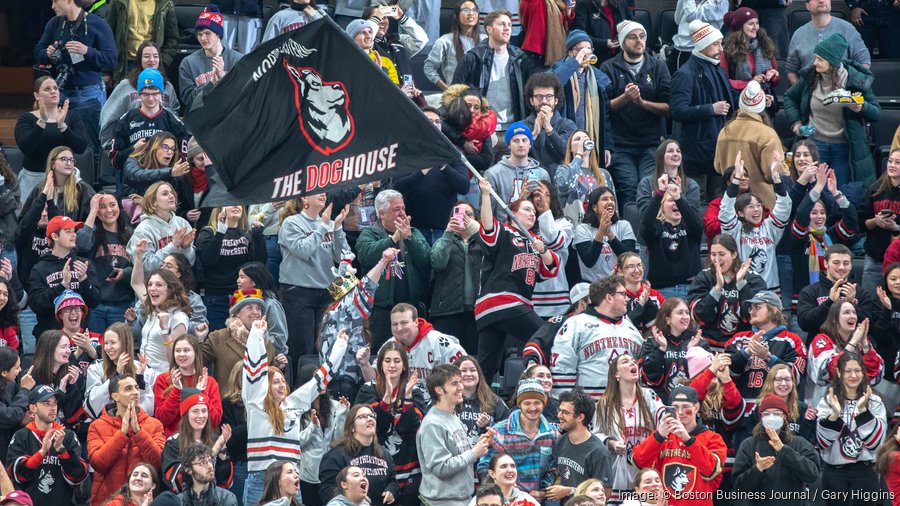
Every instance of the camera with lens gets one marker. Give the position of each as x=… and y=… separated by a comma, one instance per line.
x=60, y=70
x=588, y=145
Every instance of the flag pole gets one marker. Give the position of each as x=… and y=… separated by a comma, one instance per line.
x=503, y=205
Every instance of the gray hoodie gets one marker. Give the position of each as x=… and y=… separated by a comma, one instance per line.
x=309, y=250
x=507, y=178
x=195, y=73
x=338, y=500
x=446, y=457
x=158, y=233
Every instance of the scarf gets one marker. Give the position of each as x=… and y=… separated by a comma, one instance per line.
x=555, y=43
x=198, y=176
x=819, y=242
x=761, y=64
x=591, y=107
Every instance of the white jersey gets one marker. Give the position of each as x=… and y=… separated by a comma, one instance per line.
x=585, y=346
x=431, y=348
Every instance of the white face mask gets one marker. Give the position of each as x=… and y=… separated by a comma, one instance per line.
x=472, y=227
x=773, y=421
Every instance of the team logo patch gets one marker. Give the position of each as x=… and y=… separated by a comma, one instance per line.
x=679, y=478
x=323, y=110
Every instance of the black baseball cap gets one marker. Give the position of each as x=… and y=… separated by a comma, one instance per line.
x=41, y=393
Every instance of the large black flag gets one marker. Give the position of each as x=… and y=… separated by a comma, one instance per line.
x=309, y=112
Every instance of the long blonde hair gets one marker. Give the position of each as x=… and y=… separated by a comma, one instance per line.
x=70, y=188
x=126, y=344
x=291, y=208
x=593, y=158
x=243, y=224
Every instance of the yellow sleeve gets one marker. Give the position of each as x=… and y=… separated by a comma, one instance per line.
x=391, y=69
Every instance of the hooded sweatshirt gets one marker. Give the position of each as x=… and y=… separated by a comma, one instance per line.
x=159, y=233
x=309, y=250
x=506, y=178
x=45, y=284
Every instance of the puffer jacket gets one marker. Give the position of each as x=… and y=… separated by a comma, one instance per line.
x=112, y=454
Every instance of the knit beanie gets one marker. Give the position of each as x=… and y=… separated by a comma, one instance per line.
x=772, y=401
x=703, y=34
x=736, y=19
x=241, y=298
x=518, y=128
x=357, y=25
x=698, y=360
x=832, y=49
x=193, y=148
x=530, y=389
x=576, y=36
x=626, y=27
x=753, y=99
x=189, y=398
x=211, y=19
x=150, y=78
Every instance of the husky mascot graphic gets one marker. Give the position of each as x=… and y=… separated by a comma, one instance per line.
x=323, y=110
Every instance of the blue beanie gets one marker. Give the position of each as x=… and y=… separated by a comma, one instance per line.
x=518, y=128
x=576, y=36
x=150, y=78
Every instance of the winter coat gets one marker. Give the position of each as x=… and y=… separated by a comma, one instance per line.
x=456, y=263
x=695, y=87
x=565, y=69
x=221, y=351
x=757, y=143
x=13, y=406
x=633, y=124
x=859, y=79
x=113, y=454
x=550, y=149
x=415, y=254
x=797, y=464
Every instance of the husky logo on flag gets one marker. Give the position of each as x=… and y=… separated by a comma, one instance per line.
x=323, y=110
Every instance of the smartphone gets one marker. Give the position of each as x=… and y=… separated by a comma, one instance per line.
x=669, y=410
x=393, y=10
x=407, y=79
x=459, y=213
x=885, y=212
x=534, y=174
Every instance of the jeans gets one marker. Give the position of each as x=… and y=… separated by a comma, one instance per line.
x=216, y=311
x=253, y=488
x=104, y=315
x=238, y=480
x=630, y=165
x=310, y=492
x=304, y=308
x=872, y=277
x=87, y=101
x=838, y=157
x=273, y=262
x=461, y=326
x=680, y=291
x=27, y=322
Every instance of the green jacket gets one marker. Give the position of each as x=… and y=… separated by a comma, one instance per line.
x=163, y=28
x=859, y=79
x=416, y=256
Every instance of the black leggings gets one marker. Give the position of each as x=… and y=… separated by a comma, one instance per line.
x=492, y=338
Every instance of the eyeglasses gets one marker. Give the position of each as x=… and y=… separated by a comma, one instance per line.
x=468, y=10
x=365, y=416
x=784, y=380
x=167, y=148
x=65, y=159
x=633, y=267
x=203, y=461
x=544, y=98
x=622, y=293
x=150, y=94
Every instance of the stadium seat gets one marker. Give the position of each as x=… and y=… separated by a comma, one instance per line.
x=85, y=165
x=631, y=214
x=446, y=19
x=887, y=77
x=666, y=27
x=783, y=83
x=15, y=157
x=304, y=361
x=512, y=371
x=881, y=134
x=643, y=17
x=187, y=16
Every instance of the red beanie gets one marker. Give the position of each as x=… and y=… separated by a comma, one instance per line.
x=189, y=398
x=772, y=401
